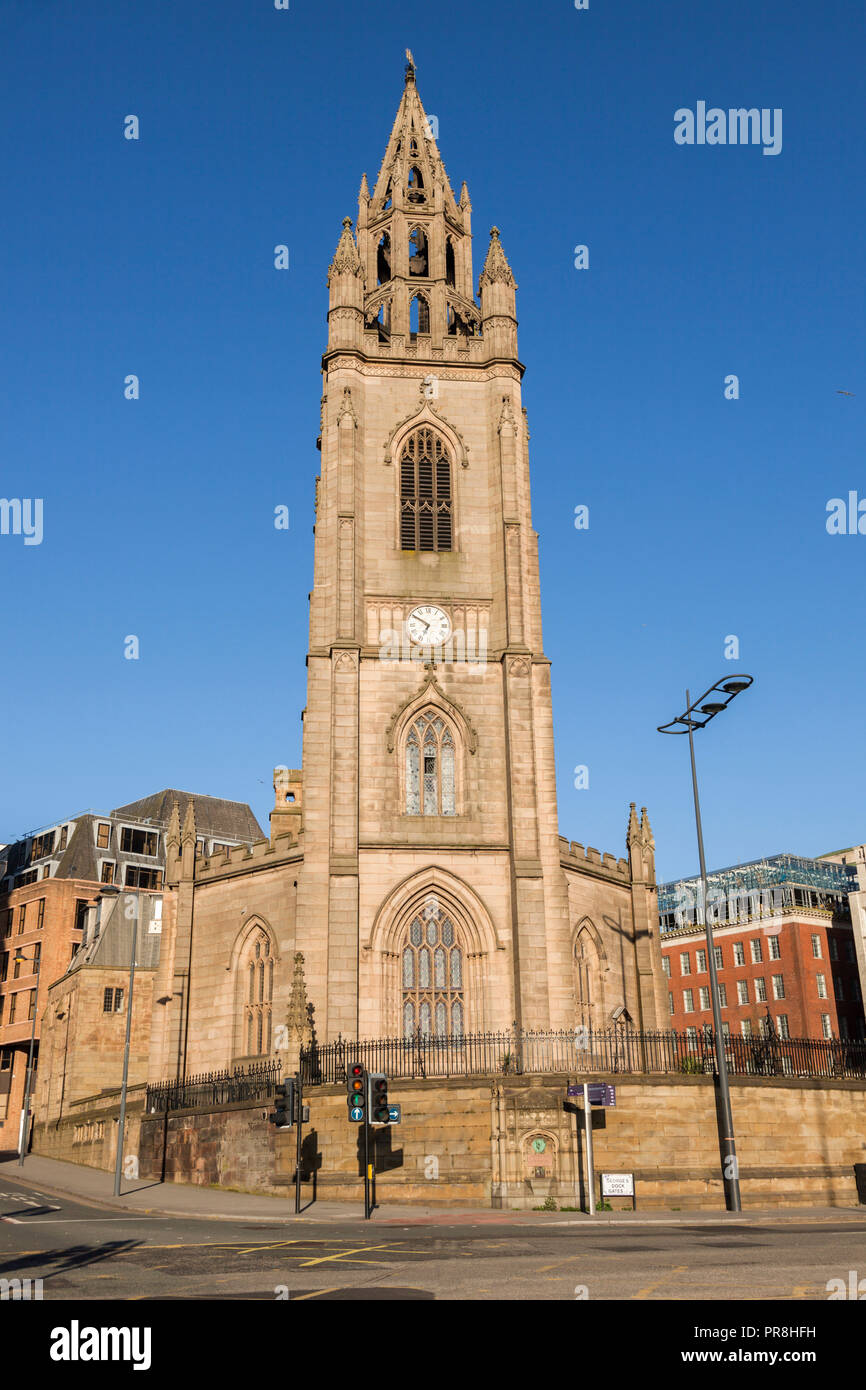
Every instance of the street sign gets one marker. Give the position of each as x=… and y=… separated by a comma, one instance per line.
x=356, y=1113
x=395, y=1114
x=600, y=1093
x=575, y=1091
x=617, y=1184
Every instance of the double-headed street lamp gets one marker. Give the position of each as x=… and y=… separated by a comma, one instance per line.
x=19, y=958
x=711, y=703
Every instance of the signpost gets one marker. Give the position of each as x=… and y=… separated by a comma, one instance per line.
x=594, y=1093
x=395, y=1114
x=590, y=1176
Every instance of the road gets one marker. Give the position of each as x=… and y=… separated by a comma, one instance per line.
x=83, y=1251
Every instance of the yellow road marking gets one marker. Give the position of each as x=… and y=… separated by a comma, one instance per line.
x=361, y=1250
x=645, y=1293
x=317, y=1293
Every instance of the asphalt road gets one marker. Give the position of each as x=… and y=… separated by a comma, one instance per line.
x=81, y=1251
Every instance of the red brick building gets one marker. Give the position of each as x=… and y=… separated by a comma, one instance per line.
x=784, y=945
x=50, y=878
x=803, y=971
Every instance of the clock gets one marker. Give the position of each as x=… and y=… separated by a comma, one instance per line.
x=428, y=626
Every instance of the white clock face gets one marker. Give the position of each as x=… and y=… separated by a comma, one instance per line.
x=428, y=626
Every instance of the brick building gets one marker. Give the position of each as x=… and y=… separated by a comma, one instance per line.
x=51, y=879
x=784, y=947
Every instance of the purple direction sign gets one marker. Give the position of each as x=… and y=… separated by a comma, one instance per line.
x=600, y=1093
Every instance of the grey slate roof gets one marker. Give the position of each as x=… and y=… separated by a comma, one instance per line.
x=78, y=860
x=110, y=948
x=213, y=815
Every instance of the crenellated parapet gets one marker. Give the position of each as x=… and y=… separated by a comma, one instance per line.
x=574, y=855
x=248, y=859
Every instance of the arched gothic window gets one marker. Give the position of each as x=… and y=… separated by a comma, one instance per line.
x=431, y=962
x=587, y=982
x=415, y=189
x=383, y=259
x=425, y=492
x=256, y=970
x=418, y=252
x=450, y=264
x=419, y=316
x=430, y=766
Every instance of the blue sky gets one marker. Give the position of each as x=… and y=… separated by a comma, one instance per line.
x=707, y=516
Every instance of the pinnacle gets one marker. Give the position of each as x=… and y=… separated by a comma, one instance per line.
x=496, y=266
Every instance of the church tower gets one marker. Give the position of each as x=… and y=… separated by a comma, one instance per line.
x=432, y=894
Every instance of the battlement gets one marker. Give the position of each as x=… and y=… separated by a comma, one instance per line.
x=264, y=853
x=452, y=349
x=574, y=855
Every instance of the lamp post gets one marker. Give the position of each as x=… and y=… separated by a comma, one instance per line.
x=711, y=703
x=121, y=1122
x=25, y=1118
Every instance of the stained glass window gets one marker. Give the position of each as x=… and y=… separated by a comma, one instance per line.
x=430, y=768
x=432, y=998
x=255, y=1027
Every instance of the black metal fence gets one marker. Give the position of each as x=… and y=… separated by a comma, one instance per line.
x=520, y=1052
x=212, y=1088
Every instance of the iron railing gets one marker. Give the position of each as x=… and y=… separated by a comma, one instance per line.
x=581, y=1050
x=212, y=1088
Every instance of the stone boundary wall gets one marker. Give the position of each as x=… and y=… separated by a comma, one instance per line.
x=87, y=1133
x=471, y=1143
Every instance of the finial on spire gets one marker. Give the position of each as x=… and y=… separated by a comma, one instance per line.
x=496, y=266
x=346, y=258
x=410, y=66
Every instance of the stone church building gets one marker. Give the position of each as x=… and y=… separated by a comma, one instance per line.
x=415, y=876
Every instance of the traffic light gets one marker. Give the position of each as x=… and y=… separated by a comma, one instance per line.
x=283, y=1114
x=356, y=1082
x=377, y=1089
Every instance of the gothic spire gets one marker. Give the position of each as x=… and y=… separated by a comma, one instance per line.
x=346, y=259
x=412, y=160
x=188, y=836
x=173, y=835
x=496, y=267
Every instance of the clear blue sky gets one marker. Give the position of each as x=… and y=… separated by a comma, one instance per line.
x=707, y=516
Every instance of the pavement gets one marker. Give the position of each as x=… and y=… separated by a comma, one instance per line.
x=95, y=1186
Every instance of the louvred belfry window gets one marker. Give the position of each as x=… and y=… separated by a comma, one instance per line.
x=425, y=492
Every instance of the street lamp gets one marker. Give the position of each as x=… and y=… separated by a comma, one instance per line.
x=711, y=703
x=121, y=1121
x=19, y=958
